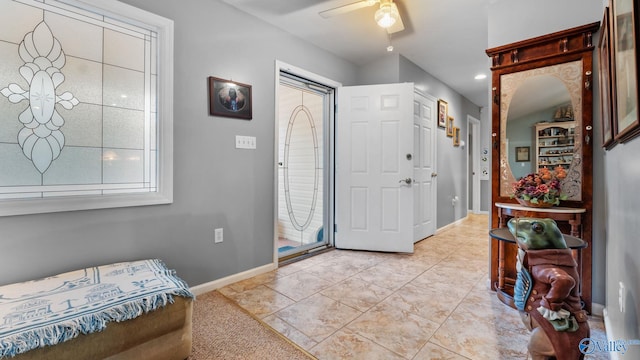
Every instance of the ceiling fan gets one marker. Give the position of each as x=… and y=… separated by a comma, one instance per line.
x=387, y=15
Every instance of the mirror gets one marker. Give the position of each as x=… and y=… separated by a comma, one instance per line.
x=539, y=100
x=541, y=109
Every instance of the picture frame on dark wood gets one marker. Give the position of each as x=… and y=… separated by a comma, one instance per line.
x=450, y=126
x=523, y=153
x=624, y=69
x=230, y=99
x=456, y=136
x=443, y=113
x=604, y=80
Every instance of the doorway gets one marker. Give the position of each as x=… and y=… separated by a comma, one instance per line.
x=304, y=134
x=473, y=164
x=306, y=217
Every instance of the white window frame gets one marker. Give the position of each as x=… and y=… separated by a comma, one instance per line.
x=164, y=195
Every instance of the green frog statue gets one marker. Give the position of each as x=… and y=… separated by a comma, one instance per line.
x=546, y=291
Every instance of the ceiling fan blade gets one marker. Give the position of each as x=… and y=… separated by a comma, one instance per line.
x=396, y=27
x=346, y=8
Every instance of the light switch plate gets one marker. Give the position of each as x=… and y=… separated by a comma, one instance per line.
x=245, y=142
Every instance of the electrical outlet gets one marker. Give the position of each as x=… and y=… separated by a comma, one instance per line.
x=218, y=237
x=622, y=293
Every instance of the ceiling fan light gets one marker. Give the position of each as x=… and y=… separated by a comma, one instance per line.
x=387, y=15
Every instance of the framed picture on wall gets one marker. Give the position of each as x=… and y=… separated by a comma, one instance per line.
x=604, y=79
x=443, y=113
x=449, y=126
x=624, y=69
x=229, y=98
x=523, y=153
x=456, y=136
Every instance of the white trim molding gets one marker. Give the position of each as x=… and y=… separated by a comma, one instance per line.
x=217, y=284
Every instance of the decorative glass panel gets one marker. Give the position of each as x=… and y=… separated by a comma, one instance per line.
x=79, y=105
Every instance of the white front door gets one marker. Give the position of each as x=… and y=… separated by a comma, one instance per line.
x=374, y=168
x=424, y=160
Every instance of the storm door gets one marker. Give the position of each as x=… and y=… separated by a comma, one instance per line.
x=304, y=113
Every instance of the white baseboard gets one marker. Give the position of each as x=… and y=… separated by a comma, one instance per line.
x=451, y=225
x=216, y=284
x=597, y=310
x=479, y=212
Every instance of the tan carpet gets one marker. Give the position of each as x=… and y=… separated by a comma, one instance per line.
x=224, y=331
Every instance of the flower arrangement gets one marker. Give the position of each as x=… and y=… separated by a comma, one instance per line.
x=541, y=188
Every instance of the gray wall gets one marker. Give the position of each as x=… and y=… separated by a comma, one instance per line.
x=622, y=206
x=215, y=184
x=384, y=70
x=616, y=175
x=616, y=207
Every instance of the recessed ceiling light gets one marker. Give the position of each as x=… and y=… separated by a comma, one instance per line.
x=480, y=76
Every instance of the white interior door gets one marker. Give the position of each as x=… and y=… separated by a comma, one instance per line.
x=424, y=160
x=374, y=192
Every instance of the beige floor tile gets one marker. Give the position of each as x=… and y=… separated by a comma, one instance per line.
x=318, y=316
x=298, y=285
x=293, y=268
x=357, y=293
x=369, y=256
x=290, y=332
x=259, y=301
x=345, y=344
x=412, y=265
x=338, y=269
x=433, y=304
x=429, y=303
x=401, y=331
x=251, y=282
x=434, y=352
x=479, y=333
x=383, y=276
x=452, y=281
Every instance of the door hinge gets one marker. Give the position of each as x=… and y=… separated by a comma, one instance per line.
x=335, y=228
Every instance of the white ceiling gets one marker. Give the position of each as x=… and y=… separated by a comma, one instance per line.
x=446, y=38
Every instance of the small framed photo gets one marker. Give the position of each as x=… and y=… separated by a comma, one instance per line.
x=456, y=136
x=229, y=98
x=443, y=113
x=523, y=153
x=449, y=126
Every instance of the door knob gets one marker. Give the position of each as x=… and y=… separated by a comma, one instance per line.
x=434, y=174
x=408, y=181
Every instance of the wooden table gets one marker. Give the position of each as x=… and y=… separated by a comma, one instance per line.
x=503, y=235
x=571, y=215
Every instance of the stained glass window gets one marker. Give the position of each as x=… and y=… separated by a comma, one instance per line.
x=80, y=114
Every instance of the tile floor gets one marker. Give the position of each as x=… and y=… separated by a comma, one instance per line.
x=432, y=304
